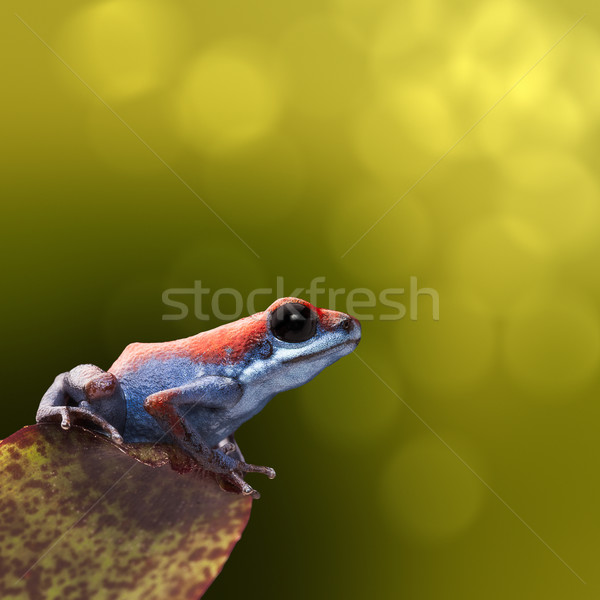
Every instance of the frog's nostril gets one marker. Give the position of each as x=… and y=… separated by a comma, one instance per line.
x=346, y=324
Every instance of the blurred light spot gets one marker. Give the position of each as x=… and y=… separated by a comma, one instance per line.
x=394, y=249
x=497, y=261
x=360, y=7
x=428, y=493
x=387, y=149
x=509, y=37
x=551, y=344
x=360, y=15
x=450, y=355
x=557, y=120
x=422, y=115
x=556, y=195
x=227, y=99
x=125, y=48
x=471, y=85
x=398, y=46
x=328, y=71
x=357, y=411
x=580, y=72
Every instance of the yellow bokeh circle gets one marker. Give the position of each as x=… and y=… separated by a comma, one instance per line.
x=470, y=85
x=556, y=121
x=580, y=71
x=508, y=37
x=327, y=68
x=423, y=115
x=555, y=194
x=228, y=98
x=127, y=48
x=551, y=345
x=427, y=493
x=405, y=35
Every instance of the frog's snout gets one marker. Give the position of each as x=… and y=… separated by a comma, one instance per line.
x=351, y=326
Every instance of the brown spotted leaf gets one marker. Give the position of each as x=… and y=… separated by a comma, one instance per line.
x=83, y=518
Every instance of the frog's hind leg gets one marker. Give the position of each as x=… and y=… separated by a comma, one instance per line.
x=87, y=395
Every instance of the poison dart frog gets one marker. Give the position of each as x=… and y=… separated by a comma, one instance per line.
x=196, y=392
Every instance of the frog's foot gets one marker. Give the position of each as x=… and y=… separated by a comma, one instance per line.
x=230, y=470
x=86, y=394
x=235, y=482
x=71, y=415
x=221, y=462
x=247, y=468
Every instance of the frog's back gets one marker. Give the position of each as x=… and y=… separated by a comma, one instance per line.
x=227, y=345
x=144, y=369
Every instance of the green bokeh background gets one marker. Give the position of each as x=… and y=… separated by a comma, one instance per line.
x=459, y=458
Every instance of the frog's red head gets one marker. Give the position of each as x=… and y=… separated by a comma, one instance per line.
x=289, y=323
x=296, y=320
x=304, y=340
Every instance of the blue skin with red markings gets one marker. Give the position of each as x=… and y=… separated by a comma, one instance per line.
x=197, y=391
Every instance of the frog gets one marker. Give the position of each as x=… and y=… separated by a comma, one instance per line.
x=197, y=391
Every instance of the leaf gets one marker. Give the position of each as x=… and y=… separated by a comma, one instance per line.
x=81, y=517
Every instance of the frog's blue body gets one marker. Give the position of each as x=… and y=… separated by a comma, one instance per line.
x=215, y=423
x=197, y=391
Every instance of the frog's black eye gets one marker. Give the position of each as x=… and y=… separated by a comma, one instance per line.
x=293, y=322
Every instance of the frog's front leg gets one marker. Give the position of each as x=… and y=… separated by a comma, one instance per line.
x=170, y=408
x=86, y=394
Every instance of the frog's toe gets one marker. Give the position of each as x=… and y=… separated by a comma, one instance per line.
x=248, y=490
x=85, y=416
x=65, y=421
x=241, y=486
x=70, y=415
x=269, y=472
x=51, y=414
x=247, y=468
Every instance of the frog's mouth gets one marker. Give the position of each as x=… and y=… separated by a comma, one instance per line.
x=332, y=350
